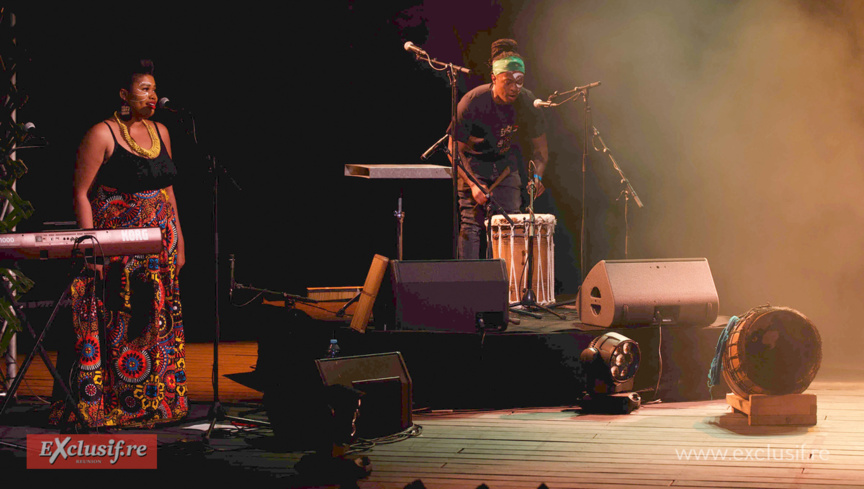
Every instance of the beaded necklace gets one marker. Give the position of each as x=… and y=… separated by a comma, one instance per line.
x=156, y=146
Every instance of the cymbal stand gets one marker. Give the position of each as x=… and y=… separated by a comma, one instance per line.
x=529, y=297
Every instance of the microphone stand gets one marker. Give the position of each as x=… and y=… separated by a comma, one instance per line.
x=626, y=192
x=216, y=412
x=452, y=73
x=289, y=298
x=576, y=93
x=529, y=297
x=583, y=93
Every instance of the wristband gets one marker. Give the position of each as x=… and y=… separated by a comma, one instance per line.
x=538, y=177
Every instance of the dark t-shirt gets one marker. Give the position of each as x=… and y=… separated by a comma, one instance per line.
x=495, y=133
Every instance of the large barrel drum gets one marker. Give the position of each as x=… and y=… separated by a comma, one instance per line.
x=771, y=350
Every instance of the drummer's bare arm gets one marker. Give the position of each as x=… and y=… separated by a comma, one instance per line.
x=539, y=155
x=479, y=193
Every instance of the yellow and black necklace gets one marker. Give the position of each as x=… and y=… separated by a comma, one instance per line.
x=156, y=146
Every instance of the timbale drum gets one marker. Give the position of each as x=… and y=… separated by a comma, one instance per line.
x=510, y=243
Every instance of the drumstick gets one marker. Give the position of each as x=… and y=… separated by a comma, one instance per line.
x=497, y=181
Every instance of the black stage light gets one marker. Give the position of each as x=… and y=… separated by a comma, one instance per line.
x=610, y=363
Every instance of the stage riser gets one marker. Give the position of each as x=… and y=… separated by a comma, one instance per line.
x=453, y=370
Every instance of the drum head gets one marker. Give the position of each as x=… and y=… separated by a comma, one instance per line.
x=772, y=350
x=522, y=219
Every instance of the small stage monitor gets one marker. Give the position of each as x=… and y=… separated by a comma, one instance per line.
x=386, y=403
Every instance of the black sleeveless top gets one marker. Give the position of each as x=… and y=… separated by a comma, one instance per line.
x=129, y=173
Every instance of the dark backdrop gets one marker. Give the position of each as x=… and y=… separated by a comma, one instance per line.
x=282, y=112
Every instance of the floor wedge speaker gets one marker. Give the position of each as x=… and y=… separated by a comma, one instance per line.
x=445, y=295
x=649, y=292
x=385, y=406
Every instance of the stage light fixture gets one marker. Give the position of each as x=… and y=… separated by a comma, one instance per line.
x=610, y=364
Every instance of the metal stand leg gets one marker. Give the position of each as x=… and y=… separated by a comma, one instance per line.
x=400, y=219
x=529, y=298
x=40, y=350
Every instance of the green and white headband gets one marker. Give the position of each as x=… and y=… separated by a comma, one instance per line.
x=511, y=63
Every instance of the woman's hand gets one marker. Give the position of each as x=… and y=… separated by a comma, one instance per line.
x=181, y=258
x=96, y=268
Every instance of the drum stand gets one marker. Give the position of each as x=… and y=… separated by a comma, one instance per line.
x=529, y=297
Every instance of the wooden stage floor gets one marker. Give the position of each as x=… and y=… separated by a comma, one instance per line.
x=234, y=357
x=685, y=444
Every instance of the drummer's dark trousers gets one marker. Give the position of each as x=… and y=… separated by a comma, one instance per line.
x=473, y=237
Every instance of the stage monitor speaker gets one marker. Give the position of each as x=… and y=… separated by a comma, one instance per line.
x=446, y=295
x=385, y=407
x=649, y=292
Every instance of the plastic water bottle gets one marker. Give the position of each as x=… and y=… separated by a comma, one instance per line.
x=333, y=349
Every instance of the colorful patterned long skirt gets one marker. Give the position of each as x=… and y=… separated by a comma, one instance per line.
x=141, y=379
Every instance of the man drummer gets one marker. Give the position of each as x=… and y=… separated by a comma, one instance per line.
x=491, y=122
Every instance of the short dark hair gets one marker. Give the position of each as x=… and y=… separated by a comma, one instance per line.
x=132, y=69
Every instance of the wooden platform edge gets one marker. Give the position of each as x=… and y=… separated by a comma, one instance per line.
x=767, y=410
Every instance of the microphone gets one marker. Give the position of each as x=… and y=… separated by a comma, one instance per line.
x=30, y=139
x=586, y=87
x=232, y=283
x=409, y=46
x=425, y=156
x=165, y=103
x=583, y=90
